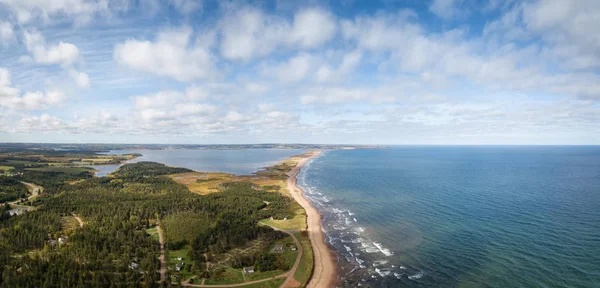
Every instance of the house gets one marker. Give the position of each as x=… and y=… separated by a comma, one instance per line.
x=179, y=266
x=248, y=270
x=134, y=265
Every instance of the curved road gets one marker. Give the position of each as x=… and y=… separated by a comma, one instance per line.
x=289, y=274
x=35, y=191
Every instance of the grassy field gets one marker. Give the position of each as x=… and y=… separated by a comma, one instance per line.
x=263, y=275
x=67, y=170
x=172, y=256
x=6, y=168
x=305, y=267
x=298, y=223
x=209, y=182
x=152, y=231
x=68, y=223
x=267, y=284
x=228, y=276
x=20, y=162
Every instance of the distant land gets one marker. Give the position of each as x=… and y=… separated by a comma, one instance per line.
x=101, y=147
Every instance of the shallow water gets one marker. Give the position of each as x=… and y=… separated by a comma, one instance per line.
x=461, y=216
x=239, y=162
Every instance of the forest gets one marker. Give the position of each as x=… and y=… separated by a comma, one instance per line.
x=37, y=249
x=11, y=189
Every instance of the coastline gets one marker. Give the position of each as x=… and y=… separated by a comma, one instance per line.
x=324, y=270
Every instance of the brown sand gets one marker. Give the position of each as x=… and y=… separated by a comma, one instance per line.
x=324, y=273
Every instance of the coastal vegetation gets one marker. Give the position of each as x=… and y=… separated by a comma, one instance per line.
x=85, y=231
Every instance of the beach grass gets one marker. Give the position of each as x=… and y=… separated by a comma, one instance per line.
x=305, y=268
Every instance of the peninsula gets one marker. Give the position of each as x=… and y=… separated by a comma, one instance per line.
x=171, y=225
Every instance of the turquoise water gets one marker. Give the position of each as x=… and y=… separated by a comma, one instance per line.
x=461, y=216
x=239, y=161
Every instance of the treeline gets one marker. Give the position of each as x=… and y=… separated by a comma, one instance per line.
x=137, y=171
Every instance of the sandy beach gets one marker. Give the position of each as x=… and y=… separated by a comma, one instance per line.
x=324, y=272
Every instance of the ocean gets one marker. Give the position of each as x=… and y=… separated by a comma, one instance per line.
x=462, y=216
x=234, y=161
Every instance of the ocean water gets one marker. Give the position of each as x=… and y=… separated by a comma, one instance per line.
x=238, y=161
x=461, y=216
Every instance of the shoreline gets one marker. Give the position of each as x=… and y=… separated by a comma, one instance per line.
x=324, y=267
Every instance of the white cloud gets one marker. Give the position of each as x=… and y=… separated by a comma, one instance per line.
x=382, y=32
x=171, y=54
x=81, y=10
x=6, y=32
x=294, y=70
x=446, y=9
x=339, y=95
x=81, y=79
x=312, y=28
x=62, y=53
x=349, y=62
x=247, y=32
x=11, y=97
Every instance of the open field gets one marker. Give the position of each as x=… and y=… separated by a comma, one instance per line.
x=153, y=232
x=203, y=182
x=297, y=223
x=172, y=260
x=6, y=168
x=226, y=275
x=267, y=284
x=68, y=223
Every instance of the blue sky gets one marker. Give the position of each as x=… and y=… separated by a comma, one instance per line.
x=359, y=72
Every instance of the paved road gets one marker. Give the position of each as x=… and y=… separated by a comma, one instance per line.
x=35, y=190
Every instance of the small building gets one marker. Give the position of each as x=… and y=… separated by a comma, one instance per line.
x=293, y=247
x=179, y=258
x=278, y=249
x=62, y=240
x=18, y=211
x=248, y=270
x=134, y=265
x=51, y=242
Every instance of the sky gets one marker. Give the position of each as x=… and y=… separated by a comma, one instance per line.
x=440, y=72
